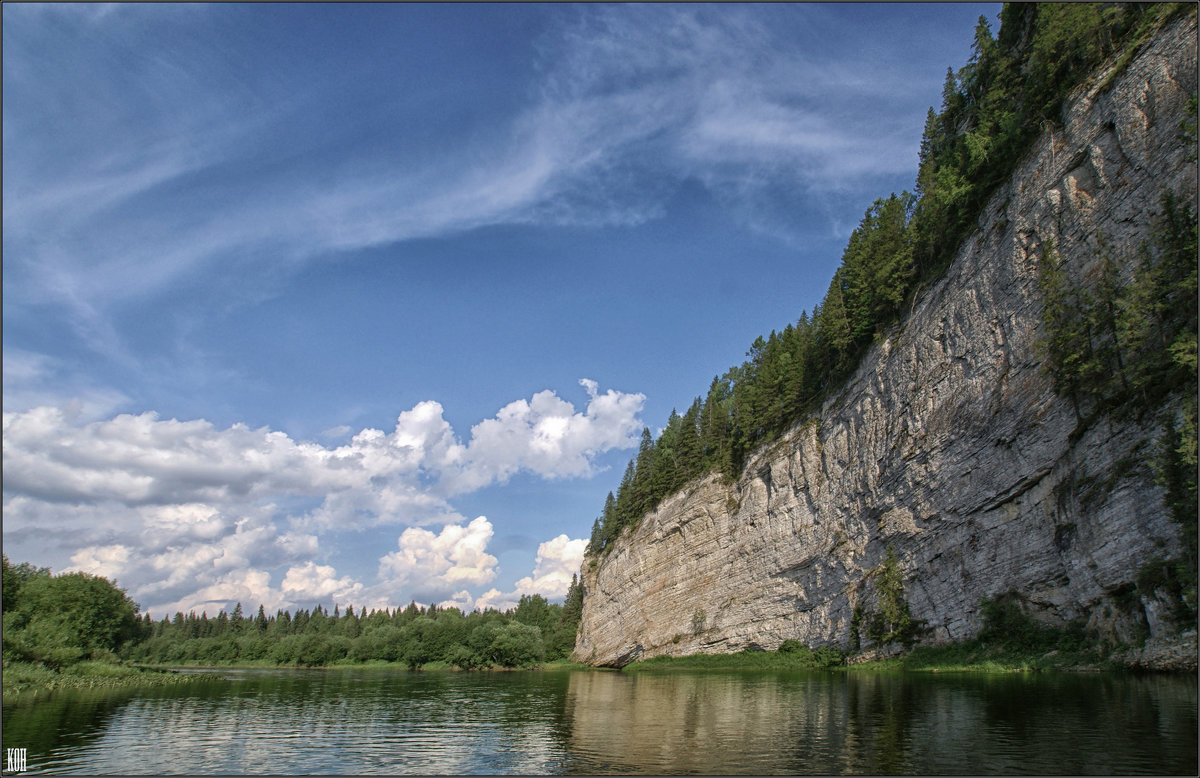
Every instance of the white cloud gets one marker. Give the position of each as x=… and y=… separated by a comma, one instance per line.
x=108, y=561
x=32, y=379
x=545, y=435
x=182, y=512
x=251, y=587
x=437, y=566
x=169, y=558
x=557, y=561
x=312, y=582
x=461, y=600
x=400, y=477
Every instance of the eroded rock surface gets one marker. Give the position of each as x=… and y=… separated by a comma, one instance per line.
x=948, y=443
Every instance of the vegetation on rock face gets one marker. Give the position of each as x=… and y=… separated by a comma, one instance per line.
x=1013, y=87
x=889, y=621
x=1123, y=348
x=1009, y=640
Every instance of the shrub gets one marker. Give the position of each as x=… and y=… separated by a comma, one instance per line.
x=825, y=656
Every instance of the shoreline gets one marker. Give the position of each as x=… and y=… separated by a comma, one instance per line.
x=972, y=656
x=26, y=681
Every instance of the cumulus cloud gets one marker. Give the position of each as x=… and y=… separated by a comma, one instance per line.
x=435, y=567
x=313, y=582
x=557, y=561
x=184, y=512
x=544, y=435
x=403, y=476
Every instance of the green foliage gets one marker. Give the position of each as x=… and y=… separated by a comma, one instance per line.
x=1177, y=580
x=1009, y=641
x=24, y=679
x=1006, y=624
x=516, y=645
x=60, y=619
x=534, y=632
x=791, y=659
x=993, y=108
x=891, y=622
x=856, y=621
x=1124, y=349
x=824, y=656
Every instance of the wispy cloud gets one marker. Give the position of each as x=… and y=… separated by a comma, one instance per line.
x=149, y=154
x=630, y=102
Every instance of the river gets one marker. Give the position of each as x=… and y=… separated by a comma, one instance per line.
x=390, y=721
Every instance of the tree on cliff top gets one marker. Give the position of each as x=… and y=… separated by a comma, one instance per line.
x=993, y=108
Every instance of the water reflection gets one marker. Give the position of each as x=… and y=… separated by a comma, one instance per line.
x=855, y=723
x=397, y=722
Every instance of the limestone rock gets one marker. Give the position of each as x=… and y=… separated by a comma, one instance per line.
x=948, y=443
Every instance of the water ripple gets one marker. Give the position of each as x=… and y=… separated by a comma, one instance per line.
x=394, y=722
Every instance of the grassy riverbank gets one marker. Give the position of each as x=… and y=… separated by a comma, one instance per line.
x=790, y=656
x=1010, y=643
x=373, y=664
x=961, y=658
x=973, y=656
x=26, y=680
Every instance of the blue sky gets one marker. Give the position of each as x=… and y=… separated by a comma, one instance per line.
x=368, y=303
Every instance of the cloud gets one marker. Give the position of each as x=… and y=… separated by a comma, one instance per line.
x=435, y=567
x=168, y=558
x=404, y=476
x=250, y=587
x=544, y=435
x=557, y=561
x=627, y=104
x=313, y=582
x=32, y=379
x=182, y=512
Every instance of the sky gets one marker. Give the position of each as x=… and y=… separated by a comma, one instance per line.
x=369, y=304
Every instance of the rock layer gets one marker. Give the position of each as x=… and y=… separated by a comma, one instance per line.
x=947, y=444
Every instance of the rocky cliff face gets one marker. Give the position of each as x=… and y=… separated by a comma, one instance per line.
x=948, y=444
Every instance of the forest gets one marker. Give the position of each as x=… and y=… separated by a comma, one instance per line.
x=58, y=621
x=993, y=108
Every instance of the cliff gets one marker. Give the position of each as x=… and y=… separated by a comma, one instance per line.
x=948, y=444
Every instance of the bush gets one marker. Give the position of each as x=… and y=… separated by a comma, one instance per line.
x=312, y=651
x=825, y=656
x=1004, y=623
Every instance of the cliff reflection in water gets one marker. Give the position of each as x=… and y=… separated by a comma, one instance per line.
x=879, y=723
x=391, y=722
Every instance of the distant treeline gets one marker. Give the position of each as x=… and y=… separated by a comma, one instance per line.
x=1013, y=87
x=60, y=620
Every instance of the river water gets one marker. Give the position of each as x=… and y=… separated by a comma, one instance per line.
x=389, y=721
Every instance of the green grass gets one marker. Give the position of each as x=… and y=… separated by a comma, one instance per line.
x=351, y=664
x=975, y=656
x=745, y=660
x=968, y=657
x=24, y=680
